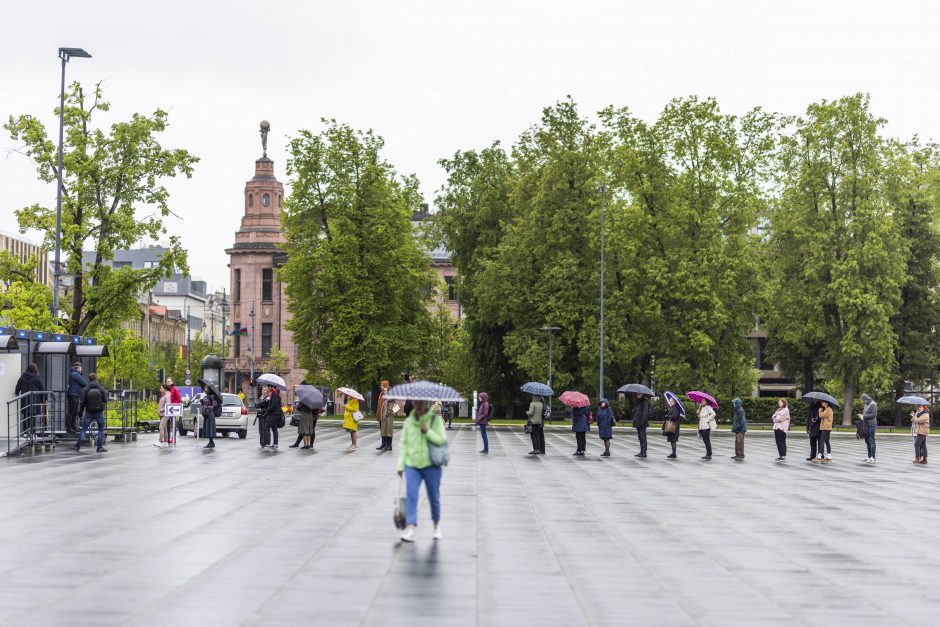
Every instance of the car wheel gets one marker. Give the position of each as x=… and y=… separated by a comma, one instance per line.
x=182, y=431
x=242, y=434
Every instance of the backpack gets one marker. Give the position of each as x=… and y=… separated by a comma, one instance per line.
x=861, y=429
x=94, y=400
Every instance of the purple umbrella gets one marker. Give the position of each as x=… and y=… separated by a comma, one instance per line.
x=695, y=396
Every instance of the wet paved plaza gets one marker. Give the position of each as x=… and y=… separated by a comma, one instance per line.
x=234, y=536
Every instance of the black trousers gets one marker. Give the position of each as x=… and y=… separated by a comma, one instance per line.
x=780, y=437
x=581, y=437
x=707, y=439
x=538, y=438
x=268, y=433
x=824, y=446
x=641, y=436
x=813, y=445
x=71, y=413
x=920, y=446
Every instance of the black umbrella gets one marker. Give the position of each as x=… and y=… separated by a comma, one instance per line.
x=309, y=396
x=822, y=396
x=211, y=386
x=636, y=388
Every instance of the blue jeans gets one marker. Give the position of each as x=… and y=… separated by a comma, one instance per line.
x=870, y=442
x=486, y=441
x=86, y=421
x=432, y=485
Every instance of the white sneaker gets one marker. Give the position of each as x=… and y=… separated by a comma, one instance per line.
x=408, y=535
x=437, y=532
x=158, y=444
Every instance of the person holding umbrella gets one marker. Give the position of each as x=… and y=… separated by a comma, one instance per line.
x=671, y=421
x=580, y=426
x=706, y=421
x=812, y=429
x=920, y=418
x=349, y=420
x=269, y=416
x=605, y=425
x=210, y=406
x=825, y=430
x=538, y=432
x=642, y=411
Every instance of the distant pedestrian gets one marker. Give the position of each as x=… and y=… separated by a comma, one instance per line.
x=706, y=420
x=642, y=412
x=162, y=402
x=210, y=406
x=73, y=396
x=870, y=416
x=825, y=430
x=175, y=397
x=350, y=412
x=306, y=424
x=421, y=428
x=812, y=429
x=93, y=405
x=920, y=418
x=605, y=425
x=580, y=426
x=484, y=413
x=386, y=415
x=671, y=421
x=30, y=407
x=738, y=428
x=270, y=413
x=781, y=420
x=536, y=415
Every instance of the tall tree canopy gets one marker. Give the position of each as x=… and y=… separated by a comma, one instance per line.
x=358, y=277
x=113, y=198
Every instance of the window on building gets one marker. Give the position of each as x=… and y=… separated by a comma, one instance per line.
x=267, y=330
x=451, y=283
x=266, y=200
x=121, y=264
x=237, y=288
x=251, y=200
x=279, y=200
x=150, y=264
x=267, y=284
x=238, y=339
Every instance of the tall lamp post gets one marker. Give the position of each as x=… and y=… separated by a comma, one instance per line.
x=550, y=330
x=225, y=308
x=600, y=385
x=251, y=359
x=65, y=54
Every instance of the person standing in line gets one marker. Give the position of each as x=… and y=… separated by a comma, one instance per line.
x=351, y=408
x=385, y=411
x=29, y=381
x=421, y=428
x=920, y=418
x=538, y=429
x=870, y=416
x=781, y=420
x=274, y=416
x=642, y=411
x=164, y=422
x=580, y=426
x=706, y=418
x=825, y=430
x=605, y=425
x=261, y=409
x=738, y=428
x=671, y=421
x=175, y=399
x=210, y=406
x=93, y=405
x=73, y=396
x=306, y=424
x=812, y=429
x=484, y=412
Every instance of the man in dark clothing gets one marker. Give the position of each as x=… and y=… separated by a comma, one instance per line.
x=870, y=416
x=642, y=410
x=73, y=396
x=93, y=405
x=29, y=381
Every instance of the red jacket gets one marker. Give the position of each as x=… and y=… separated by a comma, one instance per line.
x=175, y=397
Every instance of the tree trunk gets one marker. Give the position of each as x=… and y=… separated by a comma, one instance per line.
x=898, y=409
x=809, y=377
x=847, y=402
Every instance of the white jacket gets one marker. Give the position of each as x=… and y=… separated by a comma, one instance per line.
x=705, y=415
x=782, y=419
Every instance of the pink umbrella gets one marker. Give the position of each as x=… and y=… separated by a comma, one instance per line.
x=695, y=396
x=574, y=399
x=350, y=392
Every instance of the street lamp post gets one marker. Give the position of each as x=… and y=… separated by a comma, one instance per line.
x=600, y=385
x=251, y=359
x=65, y=54
x=550, y=330
x=224, y=307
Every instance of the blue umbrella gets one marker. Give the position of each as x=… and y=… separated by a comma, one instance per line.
x=912, y=400
x=537, y=389
x=424, y=391
x=679, y=404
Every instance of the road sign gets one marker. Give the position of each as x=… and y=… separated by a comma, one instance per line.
x=188, y=381
x=174, y=410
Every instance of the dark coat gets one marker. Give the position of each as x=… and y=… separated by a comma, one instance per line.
x=28, y=382
x=642, y=411
x=579, y=419
x=274, y=411
x=77, y=383
x=605, y=422
x=812, y=424
x=93, y=385
x=673, y=414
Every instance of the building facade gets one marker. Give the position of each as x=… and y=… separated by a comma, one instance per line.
x=257, y=298
x=22, y=249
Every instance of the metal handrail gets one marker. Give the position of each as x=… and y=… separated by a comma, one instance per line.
x=32, y=417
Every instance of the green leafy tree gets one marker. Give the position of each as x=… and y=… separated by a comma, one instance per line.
x=277, y=360
x=128, y=362
x=25, y=305
x=113, y=198
x=835, y=215
x=357, y=277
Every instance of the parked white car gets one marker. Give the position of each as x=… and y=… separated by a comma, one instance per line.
x=234, y=418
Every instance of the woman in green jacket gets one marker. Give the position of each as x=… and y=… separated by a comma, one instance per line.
x=421, y=427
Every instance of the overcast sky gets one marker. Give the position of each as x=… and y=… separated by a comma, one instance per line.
x=437, y=76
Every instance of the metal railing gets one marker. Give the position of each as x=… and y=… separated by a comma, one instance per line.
x=34, y=418
x=122, y=413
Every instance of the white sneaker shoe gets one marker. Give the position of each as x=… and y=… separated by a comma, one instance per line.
x=408, y=535
x=437, y=532
x=158, y=444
